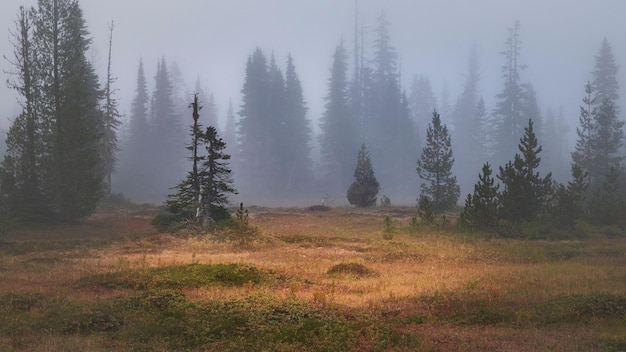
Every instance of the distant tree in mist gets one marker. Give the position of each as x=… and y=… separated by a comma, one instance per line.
x=422, y=102
x=468, y=120
x=230, y=129
x=274, y=134
x=167, y=136
x=339, y=129
x=387, y=125
x=363, y=191
x=134, y=171
x=604, y=83
x=435, y=167
x=554, y=147
x=508, y=114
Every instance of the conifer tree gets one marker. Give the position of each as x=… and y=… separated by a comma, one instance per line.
x=569, y=199
x=525, y=191
x=435, y=167
x=481, y=207
x=508, y=114
x=605, y=84
x=338, y=127
x=364, y=189
x=583, y=151
x=135, y=168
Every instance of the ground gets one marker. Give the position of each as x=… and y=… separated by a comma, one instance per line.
x=307, y=279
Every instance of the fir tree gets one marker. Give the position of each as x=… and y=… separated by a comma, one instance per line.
x=569, y=199
x=364, y=189
x=583, y=151
x=481, y=207
x=525, y=191
x=605, y=84
x=508, y=112
x=338, y=127
x=435, y=167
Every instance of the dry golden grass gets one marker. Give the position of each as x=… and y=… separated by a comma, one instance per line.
x=303, y=245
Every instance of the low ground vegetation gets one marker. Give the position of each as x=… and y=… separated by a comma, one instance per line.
x=309, y=280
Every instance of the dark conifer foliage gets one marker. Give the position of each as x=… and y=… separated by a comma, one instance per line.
x=435, y=167
x=569, y=199
x=364, y=189
x=525, y=192
x=481, y=207
x=203, y=194
x=60, y=122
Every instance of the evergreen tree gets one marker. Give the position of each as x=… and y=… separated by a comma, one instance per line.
x=508, y=112
x=204, y=192
x=435, y=167
x=607, y=206
x=22, y=188
x=135, y=169
x=230, y=129
x=58, y=160
x=525, y=192
x=109, y=141
x=338, y=128
x=569, y=199
x=166, y=134
x=422, y=102
x=364, y=189
x=553, y=146
x=467, y=127
x=607, y=139
x=583, y=151
x=296, y=163
x=481, y=207
x=605, y=84
x=256, y=156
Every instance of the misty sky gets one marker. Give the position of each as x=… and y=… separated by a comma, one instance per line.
x=212, y=39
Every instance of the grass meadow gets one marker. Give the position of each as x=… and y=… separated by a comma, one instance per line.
x=340, y=279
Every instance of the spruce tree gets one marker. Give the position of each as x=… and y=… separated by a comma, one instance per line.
x=525, y=192
x=364, y=189
x=569, y=199
x=338, y=128
x=135, y=168
x=435, y=167
x=481, y=207
x=583, y=151
x=508, y=114
x=605, y=84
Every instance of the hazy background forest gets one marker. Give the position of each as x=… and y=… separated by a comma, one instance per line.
x=444, y=55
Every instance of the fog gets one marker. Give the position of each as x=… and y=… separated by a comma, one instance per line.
x=212, y=40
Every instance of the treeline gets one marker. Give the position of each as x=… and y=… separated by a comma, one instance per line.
x=64, y=151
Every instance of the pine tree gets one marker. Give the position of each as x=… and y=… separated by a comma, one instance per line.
x=605, y=84
x=481, y=207
x=338, y=128
x=583, y=151
x=435, y=167
x=422, y=102
x=508, y=112
x=204, y=192
x=135, y=168
x=296, y=164
x=364, y=189
x=569, y=199
x=525, y=191
x=167, y=141
x=256, y=158
x=607, y=139
x=22, y=188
